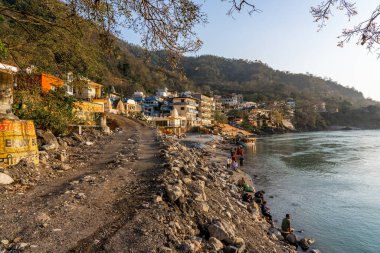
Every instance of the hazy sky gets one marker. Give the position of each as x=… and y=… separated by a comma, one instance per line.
x=285, y=37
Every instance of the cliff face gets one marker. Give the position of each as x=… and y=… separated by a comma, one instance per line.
x=201, y=208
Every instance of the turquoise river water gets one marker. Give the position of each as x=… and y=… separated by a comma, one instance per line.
x=328, y=181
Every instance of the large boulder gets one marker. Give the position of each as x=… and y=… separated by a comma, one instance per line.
x=222, y=231
x=49, y=142
x=291, y=239
x=5, y=179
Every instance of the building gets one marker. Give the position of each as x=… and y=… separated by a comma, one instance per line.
x=68, y=84
x=88, y=90
x=232, y=100
x=86, y=112
x=187, y=108
x=45, y=81
x=172, y=124
x=7, y=81
x=206, y=108
x=166, y=107
x=151, y=106
x=131, y=107
x=165, y=93
x=138, y=96
x=48, y=82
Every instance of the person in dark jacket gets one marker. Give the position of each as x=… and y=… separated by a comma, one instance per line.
x=266, y=212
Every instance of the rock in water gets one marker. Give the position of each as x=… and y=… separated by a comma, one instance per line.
x=5, y=179
x=305, y=243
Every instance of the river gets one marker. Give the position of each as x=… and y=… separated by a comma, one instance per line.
x=328, y=181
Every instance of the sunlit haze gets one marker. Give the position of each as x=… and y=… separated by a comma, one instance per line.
x=285, y=37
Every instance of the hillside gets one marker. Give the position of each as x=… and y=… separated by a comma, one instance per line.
x=73, y=44
x=63, y=43
x=257, y=81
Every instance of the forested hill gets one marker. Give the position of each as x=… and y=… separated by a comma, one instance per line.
x=79, y=48
x=259, y=82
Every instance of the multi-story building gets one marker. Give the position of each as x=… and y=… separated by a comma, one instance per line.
x=187, y=107
x=151, y=106
x=232, y=100
x=206, y=108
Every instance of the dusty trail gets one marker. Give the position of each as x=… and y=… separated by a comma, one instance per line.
x=92, y=207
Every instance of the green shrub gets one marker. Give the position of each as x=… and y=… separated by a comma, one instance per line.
x=52, y=110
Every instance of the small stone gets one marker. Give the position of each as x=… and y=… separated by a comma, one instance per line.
x=17, y=239
x=231, y=249
x=157, y=199
x=89, y=143
x=5, y=179
x=218, y=245
x=80, y=195
x=42, y=217
x=205, y=207
x=22, y=245
x=165, y=250
x=5, y=242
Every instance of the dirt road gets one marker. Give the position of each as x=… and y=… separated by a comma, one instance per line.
x=97, y=206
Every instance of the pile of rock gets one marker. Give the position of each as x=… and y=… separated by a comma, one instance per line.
x=54, y=157
x=203, y=207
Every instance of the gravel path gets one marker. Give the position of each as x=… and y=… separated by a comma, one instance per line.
x=90, y=207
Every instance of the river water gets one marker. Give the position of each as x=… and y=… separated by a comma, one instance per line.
x=328, y=181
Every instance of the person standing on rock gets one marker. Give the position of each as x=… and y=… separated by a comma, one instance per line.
x=241, y=159
x=285, y=226
x=229, y=162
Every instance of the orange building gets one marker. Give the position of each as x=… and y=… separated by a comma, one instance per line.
x=49, y=82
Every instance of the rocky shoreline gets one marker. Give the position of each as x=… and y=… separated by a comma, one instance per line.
x=206, y=212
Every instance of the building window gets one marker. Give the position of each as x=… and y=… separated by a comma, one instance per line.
x=182, y=108
x=182, y=100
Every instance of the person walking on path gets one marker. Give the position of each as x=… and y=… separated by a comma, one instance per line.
x=229, y=162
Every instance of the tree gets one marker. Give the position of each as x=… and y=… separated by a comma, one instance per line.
x=366, y=32
x=162, y=24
